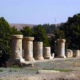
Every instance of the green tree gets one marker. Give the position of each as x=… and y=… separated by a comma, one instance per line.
x=72, y=31
x=14, y=30
x=5, y=32
x=40, y=35
x=48, y=28
x=5, y=40
x=27, y=31
x=59, y=34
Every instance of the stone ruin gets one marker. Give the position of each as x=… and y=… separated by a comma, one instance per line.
x=69, y=53
x=36, y=51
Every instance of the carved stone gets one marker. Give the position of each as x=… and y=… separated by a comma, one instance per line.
x=69, y=53
x=61, y=48
x=76, y=53
x=52, y=55
x=16, y=50
x=47, y=52
x=28, y=48
x=38, y=50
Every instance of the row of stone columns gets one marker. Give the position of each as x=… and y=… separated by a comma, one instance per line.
x=16, y=50
x=75, y=53
x=61, y=50
x=40, y=53
x=38, y=50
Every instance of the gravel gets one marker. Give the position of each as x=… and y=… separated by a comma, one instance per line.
x=71, y=64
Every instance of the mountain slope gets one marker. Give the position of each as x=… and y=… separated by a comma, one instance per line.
x=20, y=26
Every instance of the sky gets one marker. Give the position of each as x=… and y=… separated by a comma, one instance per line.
x=38, y=11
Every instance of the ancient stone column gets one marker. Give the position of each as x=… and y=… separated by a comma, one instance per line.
x=61, y=48
x=38, y=51
x=28, y=48
x=69, y=53
x=47, y=52
x=76, y=53
x=52, y=55
x=79, y=53
x=23, y=53
x=16, y=50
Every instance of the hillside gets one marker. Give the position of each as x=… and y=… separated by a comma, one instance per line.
x=19, y=26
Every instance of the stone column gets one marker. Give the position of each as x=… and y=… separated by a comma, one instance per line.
x=79, y=53
x=16, y=50
x=69, y=53
x=38, y=50
x=76, y=53
x=28, y=48
x=47, y=52
x=61, y=48
x=52, y=55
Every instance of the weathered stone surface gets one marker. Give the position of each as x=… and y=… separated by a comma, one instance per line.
x=47, y=52
x=38, y=50
x=61, y=48
x=76, y=53
x=52, y=55
x=69, y=53
x=28, y=48
x=32, y=78
x=47, y=71
x=19, y=64
x=79, y=53
x=16, y=50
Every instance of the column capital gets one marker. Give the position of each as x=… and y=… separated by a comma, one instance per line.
x=28, y=38
x=17, y=36
x=60, y=40
x=38, y=42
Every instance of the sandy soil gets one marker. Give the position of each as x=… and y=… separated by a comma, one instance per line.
x=71, y=64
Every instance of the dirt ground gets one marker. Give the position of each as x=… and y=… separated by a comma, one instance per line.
x=72, y=64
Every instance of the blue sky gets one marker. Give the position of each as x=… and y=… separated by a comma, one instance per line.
x=38, y=11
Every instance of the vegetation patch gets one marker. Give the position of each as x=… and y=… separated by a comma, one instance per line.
x=1, y=70
x=62, y=70
x=10, y=70
x=32, y=69
x=16, y=67
x=66, y=60
x=78, y=59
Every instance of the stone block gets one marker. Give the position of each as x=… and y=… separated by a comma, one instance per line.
x=69, y=53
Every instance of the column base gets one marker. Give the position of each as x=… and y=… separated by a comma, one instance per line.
x=39, y=58
x=49, y=57
x=61, y=57
x=11, y=62
x=74, y=55
x=29, y=59
x=22, y=60
x=52, y=55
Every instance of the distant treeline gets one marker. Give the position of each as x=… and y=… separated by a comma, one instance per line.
x=48, y=28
